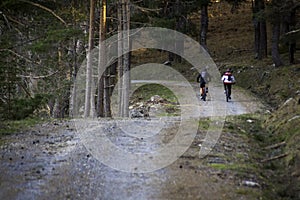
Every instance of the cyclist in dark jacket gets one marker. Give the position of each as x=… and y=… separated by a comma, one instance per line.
x=202, y=82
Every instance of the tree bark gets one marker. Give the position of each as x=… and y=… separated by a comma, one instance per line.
x=89, y=69
x=100, y=97
x=256, y=24
x=263, y=50
x=123, y=58
x=204, y=25
x=292, y=43
x=103, y=105
x=275, y=41
x=126, y=45
x=106, y=82
x=57, y=102
x=256, y=38
x=260, y=30
x=180, y=26
x=120, y=59
x=263, y=32
x=73, y=96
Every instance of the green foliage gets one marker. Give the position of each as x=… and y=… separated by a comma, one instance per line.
x=160, y=22
x=53, y=38
x=20, y=108
x=14, y=126
x=62, y=34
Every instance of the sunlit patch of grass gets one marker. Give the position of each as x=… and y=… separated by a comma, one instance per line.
x=14, y=126
x=234, y=167
x=248, y=192
x=204, y=123
x=145, y=92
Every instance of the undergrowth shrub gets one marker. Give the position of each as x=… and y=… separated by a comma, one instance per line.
x=20, y=108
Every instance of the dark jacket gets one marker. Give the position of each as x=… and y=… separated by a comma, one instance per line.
x=201, y=80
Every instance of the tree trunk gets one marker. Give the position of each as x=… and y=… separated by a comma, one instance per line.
x=292, y=50
x=74, y=69
x=256, y=38
x=204, y=25
x=263, y=50
x=126, y=68
x=256, y=24
x=106, y=80
x=260, y=30
x=93, y=113
x=57, y=108
x=120, y=59
x=275, y=41
x=292, y=43
x=123, y=57
x=57, y=102
x=180, y=26
x=179, y=45
x=263, y=32
x=102, y=107
x=89, y=69
x=100, y=95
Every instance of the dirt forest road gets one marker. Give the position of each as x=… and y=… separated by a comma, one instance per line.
x=50, y=162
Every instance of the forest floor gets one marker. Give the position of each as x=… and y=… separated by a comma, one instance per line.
x=50, y=160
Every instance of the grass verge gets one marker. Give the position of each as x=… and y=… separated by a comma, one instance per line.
x=13, y=126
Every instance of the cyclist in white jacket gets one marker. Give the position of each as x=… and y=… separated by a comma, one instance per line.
x=228, y=79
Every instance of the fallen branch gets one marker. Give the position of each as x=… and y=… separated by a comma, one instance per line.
x=146, y=10
x=275, y=157
x=47, y=9
x=5, y=18
x=274, y=146
x=292, y=32
x=37, y=77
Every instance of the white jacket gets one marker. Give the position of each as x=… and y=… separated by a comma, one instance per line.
x=228, y=79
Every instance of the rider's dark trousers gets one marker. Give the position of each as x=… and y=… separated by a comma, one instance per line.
x=229, y=88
